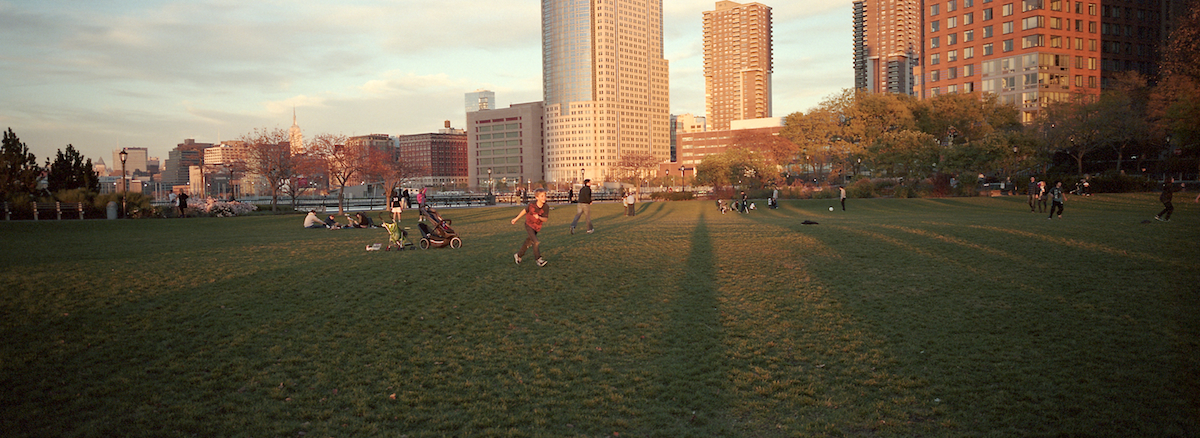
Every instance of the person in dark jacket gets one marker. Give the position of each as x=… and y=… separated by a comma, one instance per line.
x=584, y=207
x=1168, y=192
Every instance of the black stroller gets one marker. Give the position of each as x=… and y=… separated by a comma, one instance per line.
x=440, y=234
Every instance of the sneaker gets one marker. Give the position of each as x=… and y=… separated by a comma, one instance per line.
x=1157, y=218
x=572, y=229
x=517, y=258
x=542, y=262
x=590, y=231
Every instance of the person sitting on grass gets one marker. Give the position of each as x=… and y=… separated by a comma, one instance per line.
x=363, y=221
x=333, y=224
x=312, y=221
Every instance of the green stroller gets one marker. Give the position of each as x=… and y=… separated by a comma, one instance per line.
x=397, y=237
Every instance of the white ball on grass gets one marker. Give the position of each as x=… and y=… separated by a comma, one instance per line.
x=830, y=208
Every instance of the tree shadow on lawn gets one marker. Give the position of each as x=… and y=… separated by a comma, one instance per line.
x=1007, y=348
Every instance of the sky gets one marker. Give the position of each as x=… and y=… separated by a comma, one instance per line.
x=105, y=74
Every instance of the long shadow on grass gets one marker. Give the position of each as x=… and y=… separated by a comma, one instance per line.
x=691, y=371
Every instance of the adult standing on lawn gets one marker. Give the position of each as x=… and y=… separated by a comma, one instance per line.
x=536, y=214
x=1168, y=192
x=396, y=203
x=584, y=207
x=842, y=192
x=1057, y=198
x=1042, y=193
x=421, y=205
x=1032, y=192
x=182, y=198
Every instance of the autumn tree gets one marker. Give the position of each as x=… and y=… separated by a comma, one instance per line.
x=70, y=170
x=735, y=166
x=1175, y=102
x=1073, y=127
x=635, y=167
x=1122, y=114
x=386, y=165
x=344, y=161
x=270, y=158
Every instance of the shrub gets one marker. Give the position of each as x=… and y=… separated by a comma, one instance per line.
x=1118, y=183
x=673, y=196
x=862, y=188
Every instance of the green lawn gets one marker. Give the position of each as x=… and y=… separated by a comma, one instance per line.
x=931, y=317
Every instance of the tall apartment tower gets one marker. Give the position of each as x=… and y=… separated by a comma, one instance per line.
x=1033, y=52
x=605, y=85
x=737, y=63
x=888, y=37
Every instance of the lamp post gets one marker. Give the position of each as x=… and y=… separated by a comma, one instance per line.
x=489, y=180
x=682, y=178
x=124, y=184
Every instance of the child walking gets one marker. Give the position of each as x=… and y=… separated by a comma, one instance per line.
x=536, y=214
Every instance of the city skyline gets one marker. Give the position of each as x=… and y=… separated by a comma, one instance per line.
x=104, y=75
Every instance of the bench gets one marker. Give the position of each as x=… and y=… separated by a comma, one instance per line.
x=56, y=207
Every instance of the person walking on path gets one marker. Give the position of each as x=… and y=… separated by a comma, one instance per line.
x=842, y=190
x=1168, y=192
x=584, y=207
x=1032, y=192
x=182, y=198
x=536, y=214
x=571, y=193
x=1057, y=198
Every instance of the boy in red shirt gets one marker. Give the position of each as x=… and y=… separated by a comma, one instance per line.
x=536, y=214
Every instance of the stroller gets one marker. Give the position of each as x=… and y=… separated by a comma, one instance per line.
x=440, y=234
x=396, y=236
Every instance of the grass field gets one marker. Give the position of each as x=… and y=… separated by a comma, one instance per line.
x=932, y=317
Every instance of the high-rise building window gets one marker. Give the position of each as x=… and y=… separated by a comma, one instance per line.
x=968, y=3
x=934, y=10
x=987, y=14
x=951, y=5
x=1056, y=5
x=1091, y=27
x=1007, y=45
x=935, y=26
x=987, y=31
x=951, y=22
x=952, y=56
x=1091, y=9
x=987, y=49
x=1033, y=22
x=968, y=18
x=952, y=73
x=1092, y=45
x=968, y=70
x=1006, y=10
x=951, y=39
x=1006, y=28
x=968, y=36
x=1078, y=43
x=968, y=52
x=935, y=59
x=935, y=42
